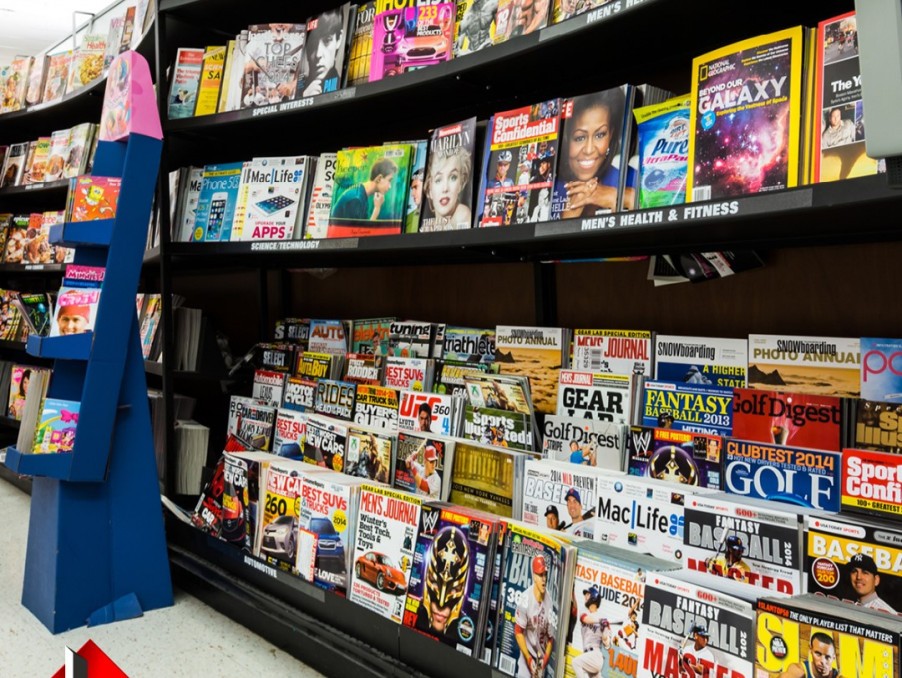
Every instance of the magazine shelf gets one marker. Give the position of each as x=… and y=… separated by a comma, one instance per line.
x=44, y=188
x=12, y=345
x=12, y=269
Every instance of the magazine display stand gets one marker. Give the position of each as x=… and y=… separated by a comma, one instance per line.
x=96, y=545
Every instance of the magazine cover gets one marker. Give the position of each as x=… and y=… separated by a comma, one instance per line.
x=300, y=394
x=448, y=186
x=817, y=365
x=325, y=442
x=534, y=591
x=314, y=365
x=746, y=117
x=583, y=441
x=877, y=426
x=290, y=433
x=537, y=353
x=701, y=360
x=521, y=146
x=272, y=57
x=384, y=550
x=369, y=194
x=216, y=202
x=328, y=336
x=268, y=386
x=272, y=194
x=409, y=36
x=243, y=474
x=751, y=542
x=450, y=582
x=358, y=71
x=799, y=476
x=363, y=369
x=335, y=398
x=593, y=171
x=474, y=25
x=469, y=344
x=485, y=478
x=277, y=528
x=839, y=130
x=376, y=407
x=35, y=85
x=329, y=510
x=560, y=496
x=211, y=80
x=561, y=10
x=855, y=562
x=600, y=396
x=12, y=98
x=812, y=636
x=872, y=482
x=880, y=379
x=76, y=310
x=681, y=457
x=76, y=160
x=691, y=630
x=57, y=76
x=688, y=407
x=422, y=465
x=800, y=420
x=251, y=420
x=320, y=69
x=663, y=141
x=413, y=374
x=370, y=454
x=489, y=391
x=87, y=64
x=612, y=351
x=320, y=201
x=410, y=339
x=427, y=413
x=500, y=428
x=56, y=428
x=35, y=309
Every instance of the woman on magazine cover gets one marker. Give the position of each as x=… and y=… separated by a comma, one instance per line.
x=447, y=181
x=587, y=178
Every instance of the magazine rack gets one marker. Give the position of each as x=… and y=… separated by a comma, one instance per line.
x=96, y=544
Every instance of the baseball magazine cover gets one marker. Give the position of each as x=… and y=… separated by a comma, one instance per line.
x=535, y=595
x=485, y=478
x=384, y=543
x=583, y=441
x=690, y=630
x=612, y=351
x=701, y=360
x=423, y=465
x=560, y=496
x=601, y=396
x=676, y=456
x=752, y=542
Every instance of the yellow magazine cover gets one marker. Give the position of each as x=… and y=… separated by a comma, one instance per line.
x=210, y=80
x=746, y=117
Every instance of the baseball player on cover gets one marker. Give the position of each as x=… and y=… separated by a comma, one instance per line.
x=425, y=478
x=596, y=637
x=865, y=578
x=532, y=630
x=730, y=564
x=698, y=660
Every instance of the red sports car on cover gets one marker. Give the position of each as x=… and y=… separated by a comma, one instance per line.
x=379, y=570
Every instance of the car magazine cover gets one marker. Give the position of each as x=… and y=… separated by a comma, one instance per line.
x=535, y=592
x=364, y=369
x=858, y=563
x=535, y=352
x=469, y=344
x=450, y=581
x=583, y=441
x=320, y=69
x=794, y=475
x=376, y=407
x=243, y=474
x=612, y=351
x=413, y=374
x=408, y=36
x=752, y=542
x=314, y=365
x=692, y=630
x=663, y=141
x=688, y=407
x=370, y=454
x=871, y=482
x=814, y=636
x=422, y=465
x=300, y=394
x=800, y=420
x=325, y=442
x=839, y=127
x=518, y=180
x=448, y=185
x=320, y=201
x=560, y=496
x=817, y=365
x=599, y=396
x=252, y=421
x=369, y=193
x=486, y=478
x=329, y=511
x=328, y=336
x=880, y=379
x=593, y=172
x=642, y=515
x=268, y=386
x=335, y=398
x=427, y=413
x=701, y=360
x=277, y=525
x=410, y=339
x=290, y=433
x=387, y=526
x=682, y=457
x=272, y=192
x=746, y=117
x=272, y=56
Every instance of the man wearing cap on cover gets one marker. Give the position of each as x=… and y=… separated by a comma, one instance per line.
x=580, y=522
x=502, y=166
x=596, y=632
x=73, y=319
x=698, y=660
x=532, y=628
x=426, y=480
x=553, y=518
x=865, y=578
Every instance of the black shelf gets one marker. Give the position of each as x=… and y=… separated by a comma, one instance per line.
x=9, y=422
x=327, y=631
x=22, y=482
x=749, y=222
x=152, y=256
x=12, y=345
x=43, y=188
x=32, y=268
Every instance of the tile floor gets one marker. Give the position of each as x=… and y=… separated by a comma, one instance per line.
x=188, y=639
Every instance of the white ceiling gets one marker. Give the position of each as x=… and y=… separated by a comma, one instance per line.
x=31, y=26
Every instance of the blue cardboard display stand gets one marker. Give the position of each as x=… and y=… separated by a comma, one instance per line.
x=96, y=541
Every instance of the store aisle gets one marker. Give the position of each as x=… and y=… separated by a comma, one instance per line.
x=188, y=639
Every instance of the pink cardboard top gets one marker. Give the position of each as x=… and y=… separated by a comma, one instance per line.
x=129, y=104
